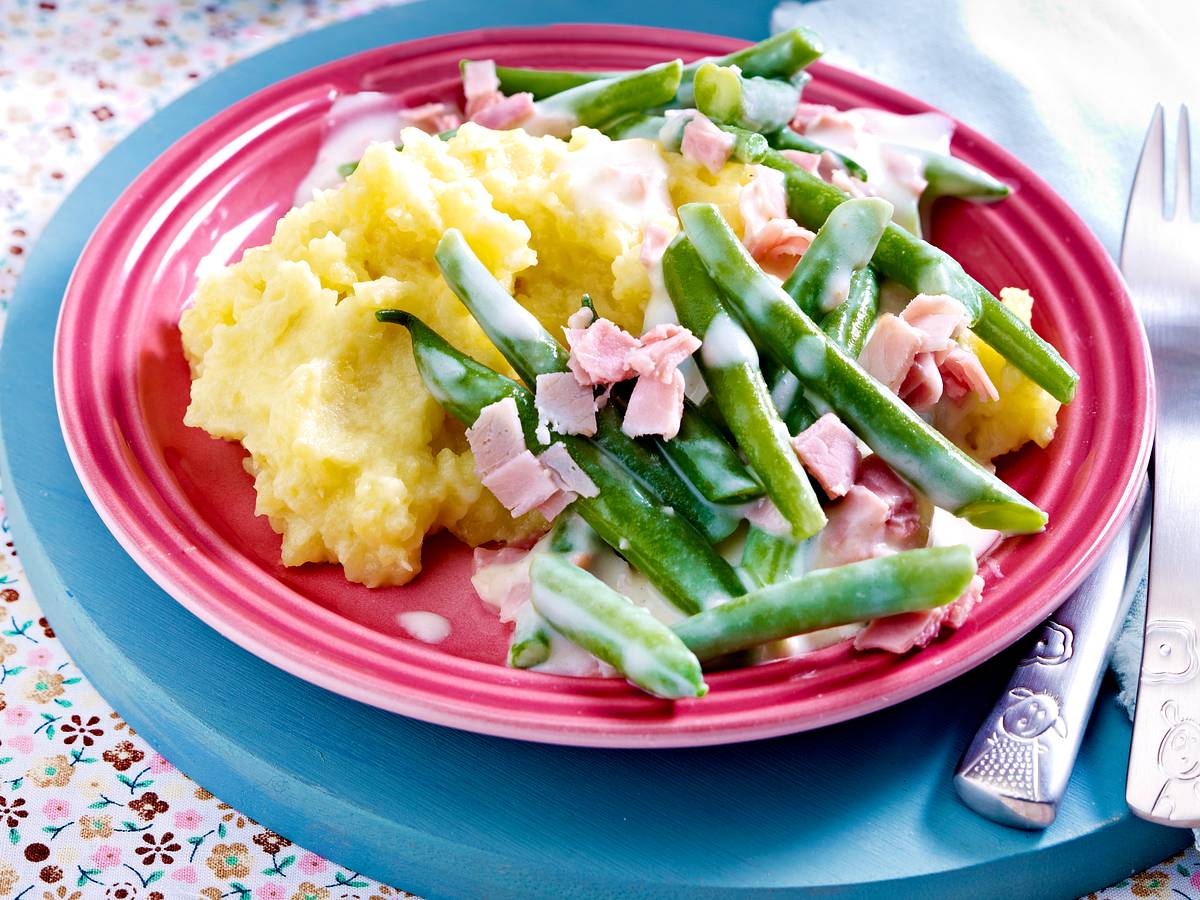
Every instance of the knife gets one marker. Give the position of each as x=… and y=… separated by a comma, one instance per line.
x=1158, y=256
x=1016, y=769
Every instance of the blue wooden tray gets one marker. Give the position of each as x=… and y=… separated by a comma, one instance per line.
x=856, y=809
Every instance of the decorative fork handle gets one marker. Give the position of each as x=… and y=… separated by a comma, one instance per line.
x=1016, y=769
x=1164, y=756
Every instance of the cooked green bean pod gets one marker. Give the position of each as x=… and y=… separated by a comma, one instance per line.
x=783, y=55
x=757, y=104
x=588, y=612
x=910, y=581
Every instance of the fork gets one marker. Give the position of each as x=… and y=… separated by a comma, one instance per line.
x=1160, y=256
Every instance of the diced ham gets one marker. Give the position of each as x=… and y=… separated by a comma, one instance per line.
x=654, y=243
x=506, y=112
x=922, y=386
x=564, y=404
x=481, y=87
x=806, y=113
x=774, y=240
x=903, y=519
x=763, y=199
x=890, y=351
x=779, y=245
x=600, y=352
x=705, y=143
x=829, y=452
x=809, y=162
x=433, y=118
x=842, y=180
x=958, y=610
x=496, y=437
x=662, y=349
x=521, y=484
x=655, y=407
x=566, y=472
x=552, y=508
x=856, y=528
x=501, y=578
x=903, y=632
x=765, y=515
x=937, y=317
x=963, y=373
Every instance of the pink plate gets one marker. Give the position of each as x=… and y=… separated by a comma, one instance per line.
x=182, y=506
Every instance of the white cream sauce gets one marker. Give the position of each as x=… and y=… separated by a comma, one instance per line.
x=427, y=627
x=353, y=123
x=726, y=344
x=625, y=179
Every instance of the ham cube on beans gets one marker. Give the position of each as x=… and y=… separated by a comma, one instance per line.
x=890, y=351
x=521, y=484
x=937, y=317
x=829, y=452
x=705, y=143
x=496, y=437
x=564, y=404
x=655, y=407
x=922, y=386
x=600, y=352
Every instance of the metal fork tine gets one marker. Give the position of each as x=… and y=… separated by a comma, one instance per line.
x=1183, y=168
x=1147, y=195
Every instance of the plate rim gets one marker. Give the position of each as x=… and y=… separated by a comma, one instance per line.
x=507, y=722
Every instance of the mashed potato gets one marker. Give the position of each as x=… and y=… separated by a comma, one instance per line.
x=1024, y=412
x=353, y=461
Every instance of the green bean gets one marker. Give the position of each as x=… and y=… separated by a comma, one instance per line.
x=757, y=104
x=787, y=139
x=848, y=327
x=531, y=350
x=949, y=176
x=822, y=280
x=530, y=642
x=923, y=268
x=783, y=55
x=844, y=244
x=588, y=612
x=729, y=364
x=663, y=545
x=772, y=558
x=904, y=440
x=599, y=102
x=849, y=324
x=706, y=459
x=570, y=537
x=910, y=581
x=748, y=147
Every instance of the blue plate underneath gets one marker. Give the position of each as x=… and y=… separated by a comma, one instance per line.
x=861, y=807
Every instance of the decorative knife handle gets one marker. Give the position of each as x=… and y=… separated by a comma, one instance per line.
x=1016, y=770
x=1164, y=756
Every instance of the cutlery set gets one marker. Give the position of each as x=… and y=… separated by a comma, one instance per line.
x=1015, y=771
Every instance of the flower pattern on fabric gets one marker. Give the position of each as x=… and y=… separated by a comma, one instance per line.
x=87, y=810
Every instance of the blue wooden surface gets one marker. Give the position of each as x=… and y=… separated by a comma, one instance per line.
x=856, y=809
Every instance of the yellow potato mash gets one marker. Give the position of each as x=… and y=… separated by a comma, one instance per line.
x=353, y=461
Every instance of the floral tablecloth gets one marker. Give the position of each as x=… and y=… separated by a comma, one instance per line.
x=87, y=808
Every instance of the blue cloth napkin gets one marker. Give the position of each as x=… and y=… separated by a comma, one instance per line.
x=1067, y=87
